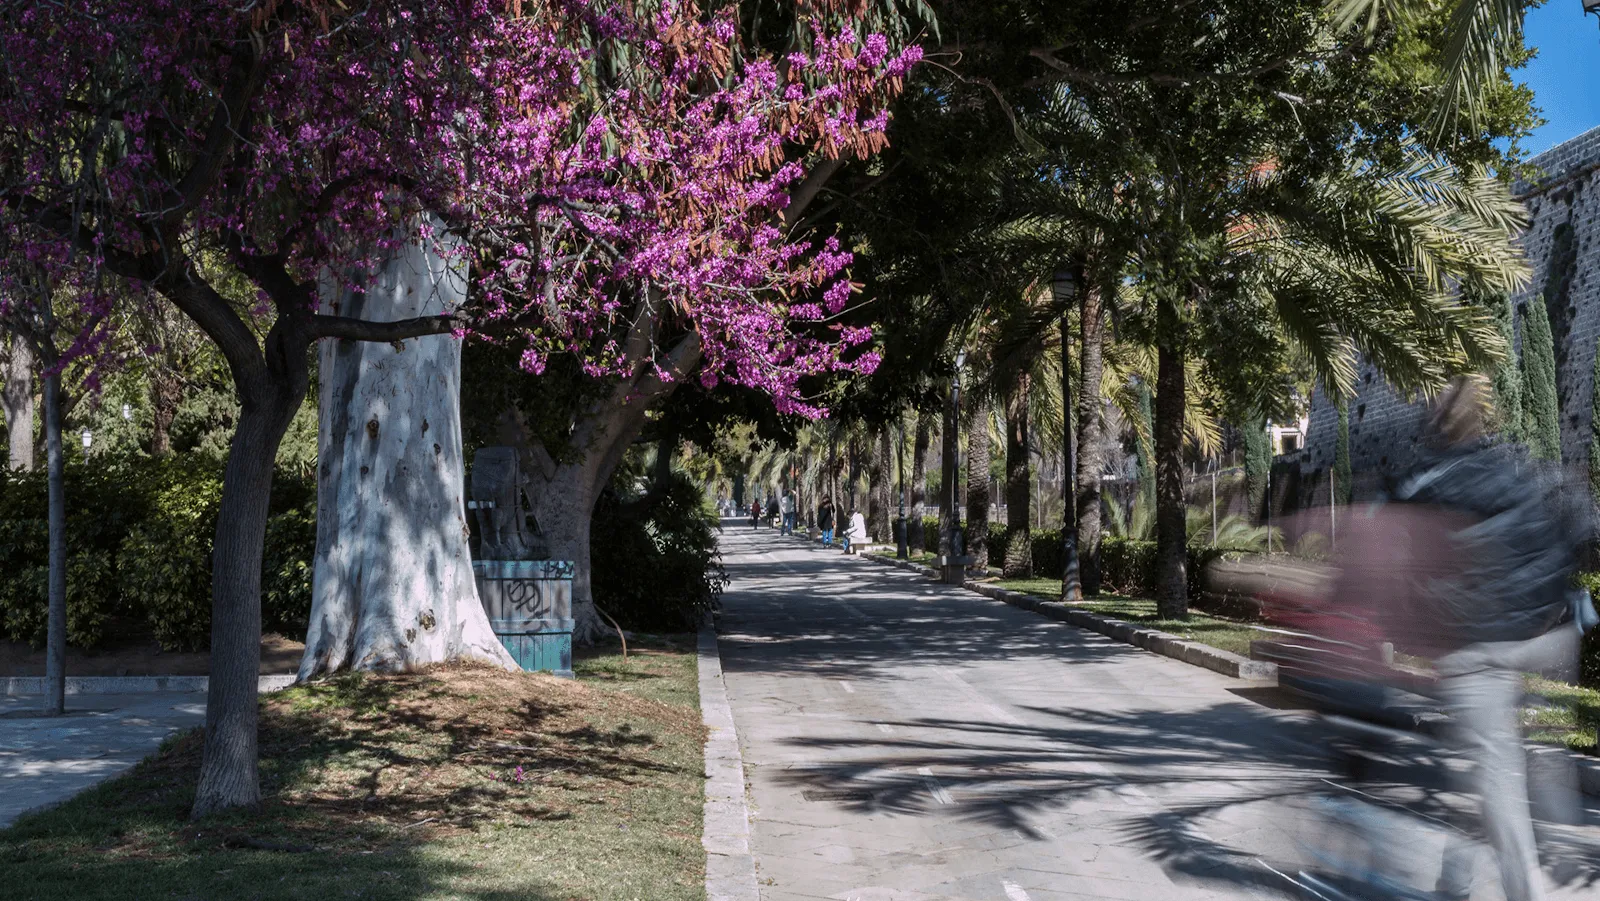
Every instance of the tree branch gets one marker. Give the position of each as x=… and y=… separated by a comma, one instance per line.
x=322, y=325
x=245, y=75
x=807, y=190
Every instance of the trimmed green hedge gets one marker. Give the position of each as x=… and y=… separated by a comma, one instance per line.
x=139, y=535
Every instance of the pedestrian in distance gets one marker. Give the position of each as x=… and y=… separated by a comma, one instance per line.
x=856, y=535
x=825, y=521
x=755, y=511
x=787, y=508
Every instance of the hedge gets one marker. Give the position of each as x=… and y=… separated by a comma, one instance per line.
x=139, y=534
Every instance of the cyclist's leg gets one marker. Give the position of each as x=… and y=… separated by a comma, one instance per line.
x=1486, y=702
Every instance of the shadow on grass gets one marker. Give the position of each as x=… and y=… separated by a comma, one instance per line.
x=462, y=783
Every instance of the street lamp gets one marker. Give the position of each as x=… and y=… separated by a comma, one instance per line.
x=953, y=571
x=1591, y=6
x=1066, y=290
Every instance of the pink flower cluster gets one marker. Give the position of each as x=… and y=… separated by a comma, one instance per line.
x=606, y=161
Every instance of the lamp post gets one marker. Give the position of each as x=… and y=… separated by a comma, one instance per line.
x=1591, y=6
x=953, y=571
x=1066, y=290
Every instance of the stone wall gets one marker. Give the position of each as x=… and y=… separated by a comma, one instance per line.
x=1562, y=244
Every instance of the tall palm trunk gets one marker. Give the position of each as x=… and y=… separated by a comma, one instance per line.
x=950, y=444
x=1019, y=546
x=1091, y=452
x=978, y=485
x=1172, y=595
x=915, y=539
x=882, y=491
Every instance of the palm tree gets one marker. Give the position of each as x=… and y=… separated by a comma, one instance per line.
x=1322, y=270
x=1485, y=36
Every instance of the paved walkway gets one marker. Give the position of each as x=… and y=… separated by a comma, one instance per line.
x=909, y=741
x=45, y=760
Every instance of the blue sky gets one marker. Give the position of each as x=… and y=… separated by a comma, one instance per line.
x=1566, y=75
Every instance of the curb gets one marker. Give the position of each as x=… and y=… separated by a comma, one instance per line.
x=1163, y=643
x=730, y=867
x=122, y=685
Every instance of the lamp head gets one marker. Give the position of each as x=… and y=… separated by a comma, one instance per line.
x=1066, y=280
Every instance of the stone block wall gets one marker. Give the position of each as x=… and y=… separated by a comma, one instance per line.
x=1562, y=245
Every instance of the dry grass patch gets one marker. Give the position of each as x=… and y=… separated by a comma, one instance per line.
x=459, y=782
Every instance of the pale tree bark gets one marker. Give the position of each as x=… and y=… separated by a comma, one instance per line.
x=1091, y=431
x=978, y=499
x=915, y=538
x=1018, y=562
x=16, y=398
x=1172, y=588
x=392, y=583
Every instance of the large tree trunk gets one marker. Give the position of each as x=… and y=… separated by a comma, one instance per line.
x=881, y=474
x=16, y=398
x=1018, y=562
x=392, y=585
x=950, y=449
x=915, y=539
x=562, y=499
x=978, y=485
x=1172, y=595
x=1091, y=431
x=166, y=393
x=228, y=772
x=55, y=667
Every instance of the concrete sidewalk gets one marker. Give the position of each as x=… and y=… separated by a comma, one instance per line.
x=45, y=760
x=907, y=740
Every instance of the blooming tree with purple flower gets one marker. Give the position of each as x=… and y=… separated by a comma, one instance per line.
x=614, y=180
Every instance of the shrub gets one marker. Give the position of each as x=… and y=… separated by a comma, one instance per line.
x=139, y=536
x=166, y=561
x=654, y=564
x=101, y=501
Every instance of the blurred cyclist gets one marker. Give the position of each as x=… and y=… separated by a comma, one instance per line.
x=1503, y=607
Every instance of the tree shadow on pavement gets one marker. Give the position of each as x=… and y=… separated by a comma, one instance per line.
x=1176, y=786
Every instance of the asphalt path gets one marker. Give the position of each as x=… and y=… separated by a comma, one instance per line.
x=913, y=741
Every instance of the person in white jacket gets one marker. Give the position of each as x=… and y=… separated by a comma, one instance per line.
x=857, y=533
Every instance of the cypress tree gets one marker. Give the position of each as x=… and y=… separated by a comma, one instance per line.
x=1508, y=393
x=1343, y=490
x=1257, y=462
x=1542, y=415
x=1594, y=428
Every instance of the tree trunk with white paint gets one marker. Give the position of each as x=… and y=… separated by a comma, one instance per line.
x=16, y=399
x=392, y=585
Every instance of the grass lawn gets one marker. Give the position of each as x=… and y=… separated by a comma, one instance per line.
x=462, y=782
x=1568, y=714
x=1226, y=634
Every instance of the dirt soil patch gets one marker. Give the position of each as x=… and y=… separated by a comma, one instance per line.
x=457, y=782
